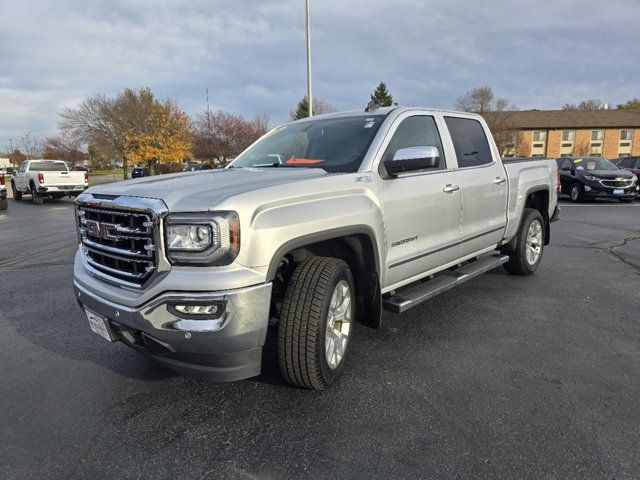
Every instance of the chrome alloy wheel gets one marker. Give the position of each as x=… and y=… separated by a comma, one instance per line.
x=534, y=242
x=338, y=324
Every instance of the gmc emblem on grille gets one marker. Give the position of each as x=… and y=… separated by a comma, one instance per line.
x=101, y=230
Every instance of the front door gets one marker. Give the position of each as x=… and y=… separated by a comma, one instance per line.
x=421, y=215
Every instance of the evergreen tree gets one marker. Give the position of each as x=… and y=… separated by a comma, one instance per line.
x=320, y=107
x=302, y=110
x=381, y=96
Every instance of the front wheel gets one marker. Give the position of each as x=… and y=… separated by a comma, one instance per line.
x=316, y=323
x=4, y=204
x=17, y=195
x=576, y=194
x=525, y=257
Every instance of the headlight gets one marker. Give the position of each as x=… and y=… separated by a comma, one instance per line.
x=634, y=178
x=202, y=238
x=591, y=178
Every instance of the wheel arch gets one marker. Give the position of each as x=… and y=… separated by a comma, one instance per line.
x=356, y=245
x=538, y=198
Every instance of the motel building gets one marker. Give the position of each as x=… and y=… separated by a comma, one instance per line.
x=564, y=133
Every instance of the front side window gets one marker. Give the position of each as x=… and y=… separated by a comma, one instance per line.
x=626, y=135
x=597, y=135
x=470, y=142
x=417, y=131
x=628, y=162
x=568, y=135
x=336, y=144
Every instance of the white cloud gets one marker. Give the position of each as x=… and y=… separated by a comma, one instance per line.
x=251, y=54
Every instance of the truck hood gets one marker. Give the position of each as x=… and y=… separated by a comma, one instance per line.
x=196, y=191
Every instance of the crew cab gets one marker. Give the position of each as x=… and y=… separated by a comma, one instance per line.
x=47, y=178
x=596, y=177
x=366, y=210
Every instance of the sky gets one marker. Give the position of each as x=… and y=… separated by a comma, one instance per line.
x=251, y=54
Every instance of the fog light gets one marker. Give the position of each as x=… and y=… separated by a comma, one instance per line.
x=197, y=309
x=587, y=188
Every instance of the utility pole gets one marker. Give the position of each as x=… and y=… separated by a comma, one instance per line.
x=309, y=96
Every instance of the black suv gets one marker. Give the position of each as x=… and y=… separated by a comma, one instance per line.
x=596, y=177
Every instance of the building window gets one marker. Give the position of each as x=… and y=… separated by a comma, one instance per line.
x=626, y=135
x=597, y=135
x=568, y=135
x=539, y=136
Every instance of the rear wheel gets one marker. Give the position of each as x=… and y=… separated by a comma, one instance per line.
x=576, y=193
x=17, y=196
x=36, y=198
x=316, y=323
x=525, y=257
x=4, y=204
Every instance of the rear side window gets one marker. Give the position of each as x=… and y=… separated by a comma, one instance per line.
x=470, y=142
x=417, y=131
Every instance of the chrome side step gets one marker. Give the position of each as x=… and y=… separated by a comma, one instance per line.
x=415, y=294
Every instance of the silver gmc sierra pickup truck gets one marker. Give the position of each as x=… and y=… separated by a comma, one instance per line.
x=320, y=223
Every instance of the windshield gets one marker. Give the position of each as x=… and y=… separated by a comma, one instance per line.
x=333, y=144
x=48, y=167
x=594, y=163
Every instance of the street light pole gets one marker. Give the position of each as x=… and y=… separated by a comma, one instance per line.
x=309, y=96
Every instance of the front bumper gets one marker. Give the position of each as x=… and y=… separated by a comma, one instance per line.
x=593, y=190
x=231, y=352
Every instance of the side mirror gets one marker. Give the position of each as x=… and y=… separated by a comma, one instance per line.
x=412, y=159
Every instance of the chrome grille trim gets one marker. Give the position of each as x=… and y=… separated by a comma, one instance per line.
x=129, y=251
x=616, y=183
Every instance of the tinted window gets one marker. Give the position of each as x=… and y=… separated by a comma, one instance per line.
x=469, y=141
x=48, y=167
x=637, y=163
x=628, y=162
x=566, y=165
x=418, y=131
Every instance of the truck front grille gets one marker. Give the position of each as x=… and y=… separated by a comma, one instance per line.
x=118, y=243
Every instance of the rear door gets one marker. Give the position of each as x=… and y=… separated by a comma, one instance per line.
x=421, y=216
x=483, y=185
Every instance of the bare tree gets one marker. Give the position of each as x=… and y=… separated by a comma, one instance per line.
x=582, y=149
x=223, y=135
x=591, y=104
x=64, y=146
x=31, y=146
x=497, y=112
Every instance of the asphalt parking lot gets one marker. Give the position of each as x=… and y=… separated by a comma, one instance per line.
x=504, y=377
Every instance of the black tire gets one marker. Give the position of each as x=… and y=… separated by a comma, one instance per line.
x=576, y=193
x=626, y=200
x=36, y=198
x=518, y=263
x=303, y=322
x=17, y=196
x=4, y=204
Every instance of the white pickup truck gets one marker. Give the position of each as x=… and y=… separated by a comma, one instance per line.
x=320, y=223
x=47, y=178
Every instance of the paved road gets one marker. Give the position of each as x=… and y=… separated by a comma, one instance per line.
x=505, y=377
